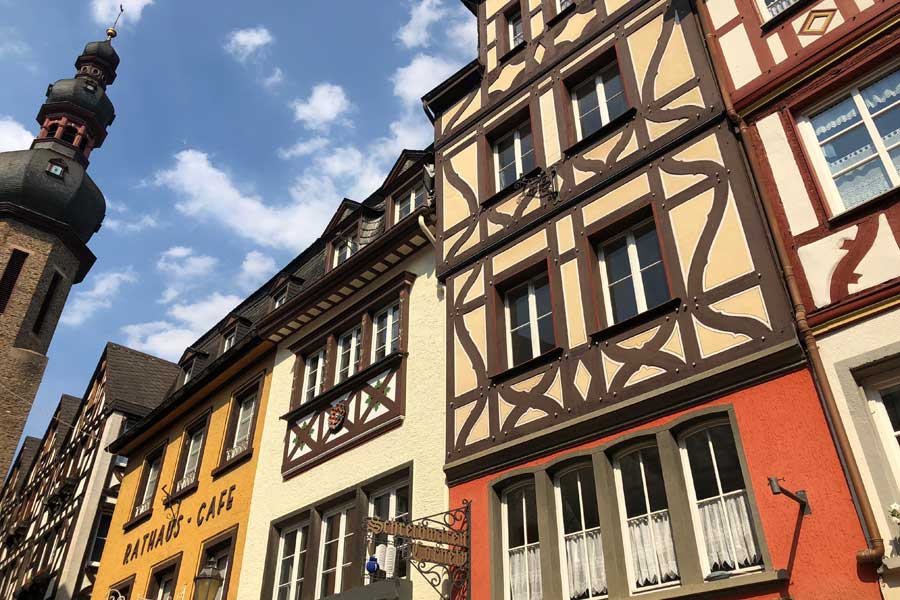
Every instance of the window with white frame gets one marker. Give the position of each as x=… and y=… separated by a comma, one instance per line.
x=314, y=371
x=228, y=340
x=410, y=201
x=516, y=28
x=100, y=535
x=145, y=498
x=246, y=409
x=390, y=504
x=646, y=527
x=773, y=8
x=580, y=540
x=345, y=247
x=632, y=273
x=562, y=5
x=188, y=371
x=529, y=320
x=513, y=155
x=386, y=328
x=598, y=100
x=281, y=297
x=292, y=551
x=720, y=505
x=854, y=142
x=335, y=553
x=349, y=353
x=192, y=446
x=521, y=544
x=883, y=394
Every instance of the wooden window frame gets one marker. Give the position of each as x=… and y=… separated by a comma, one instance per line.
x=95, y=529
x=230, y=334
x=390, y=488
x=303, y=528
x=533, y=318
x=354, y=354
x=157, y=453
x=321, y=364
x=172, y=563
x=504, y=512
x=389, y=325
x=873, y=388
x=409, y=195
x=515, y=132
x=351, y=232
x=201, y=425
x=253, y=387
x=229, y=536
x=595, y=70
x=345, y=512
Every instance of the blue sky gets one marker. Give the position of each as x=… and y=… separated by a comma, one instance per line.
x=240, y=126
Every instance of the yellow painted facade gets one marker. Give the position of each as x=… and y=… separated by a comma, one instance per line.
x=186, y=529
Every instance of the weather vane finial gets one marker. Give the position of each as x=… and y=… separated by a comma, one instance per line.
x=111, y=32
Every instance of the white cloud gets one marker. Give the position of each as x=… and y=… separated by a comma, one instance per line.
x=274, y=79
x=326, y=104
x=256, y=268
x=303, y=148
x=11, y=43
x=208, y=192
x=422, y=15
x=84, y=303
x=244, y=43
x=13, y=136
x=106, y=11
x=186, y=323
x=420, y=76
x=462, y=33
x=131, y=225
x=183, y=269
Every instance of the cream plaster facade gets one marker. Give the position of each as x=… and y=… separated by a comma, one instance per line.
x=419, y=441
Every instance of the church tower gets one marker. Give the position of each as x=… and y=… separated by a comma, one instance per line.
x=49, y=209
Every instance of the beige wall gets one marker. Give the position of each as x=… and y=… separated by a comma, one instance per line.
x=419, y=440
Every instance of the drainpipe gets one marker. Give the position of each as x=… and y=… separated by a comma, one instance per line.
x=873, y=554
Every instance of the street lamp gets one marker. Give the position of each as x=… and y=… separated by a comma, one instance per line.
x=208, y=581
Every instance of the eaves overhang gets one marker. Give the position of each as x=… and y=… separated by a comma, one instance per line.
x=452, y=89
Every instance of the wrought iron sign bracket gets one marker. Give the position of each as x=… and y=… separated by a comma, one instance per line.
x=541, y=185
x=799, y=496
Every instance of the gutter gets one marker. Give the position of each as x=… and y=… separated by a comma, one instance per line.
x=874, y=553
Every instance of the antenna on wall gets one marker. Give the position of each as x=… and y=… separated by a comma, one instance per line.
x=111, y=32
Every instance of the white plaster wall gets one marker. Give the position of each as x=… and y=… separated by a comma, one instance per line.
x=862, y=338
x=420, y=440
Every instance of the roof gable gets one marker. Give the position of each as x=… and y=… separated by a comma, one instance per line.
x=346, y=208
x=406, y=160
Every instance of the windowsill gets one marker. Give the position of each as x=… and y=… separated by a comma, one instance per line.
x=181, y=494
x=237, y=459
x=322, y=401
x=511, y=54
x=561, y=15
x=717, y=587
x=508, y=190
x=867, y=207
x=585, y=143
x=523, y=367
x=135, y=521
x=638, y=319
x=785, y=15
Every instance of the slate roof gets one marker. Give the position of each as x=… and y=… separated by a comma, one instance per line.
x=136, y=382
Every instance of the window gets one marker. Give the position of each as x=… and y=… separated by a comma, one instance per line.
x=411, y=201
x=855, y=143
x=281, y=297
x=221, y=555
x=228, y=340
x=123, y=590
x=100, y=535
x=720, y=506
x=562, y=5
x=514, y=155
x=773, y=8
x=348, y=353
x=57, y=169
x=344, y=248
x=10, y=276
x=191, y=452
x=521, y=544
x=162, y=584
x=145, y=498
x=883, y=394
x=313, y=374
x=647, y=531
x=516, y=30
x=245, y=413
x=335, y=553
x=387, y=332
x=292, y=562
x=580, y=540
x=529, y=320
x=188, y=371
x=632, y=273
x=389, y=505
x=598, y=100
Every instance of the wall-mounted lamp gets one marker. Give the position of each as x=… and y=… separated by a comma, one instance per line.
x=208, y=581
x=799, y=496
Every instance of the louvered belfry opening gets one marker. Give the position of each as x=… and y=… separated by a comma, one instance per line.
x=10, y=276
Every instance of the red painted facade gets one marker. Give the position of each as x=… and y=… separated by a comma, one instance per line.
x=784, y=433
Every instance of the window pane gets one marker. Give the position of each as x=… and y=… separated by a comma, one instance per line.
x=506, y=152
x=571, y=507
x=588, y=107
x=404, y=208
x=888, y=124
x=531, y=515
x=895, y=157
x=656, y=490
x=730, y=473
x=527, y=146
x=589, y=498
x=508, y=176
x=546, y=337
x=647, y=243
x=624, y=305
x=327, y=583
x=891, y=399
x=615, y=256
x=515, y=519
x=702, y=472
x=848, y=149
x=518, y=306
x=590, y=122
x=632, y=485
x=882, y=93
x=835, y=119
x=381, y=506
x=521, y=344
x=862, y=183
x=542, y=296
x=656, y=289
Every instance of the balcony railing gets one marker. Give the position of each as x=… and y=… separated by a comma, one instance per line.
x=239, y=447
x=185, y=482
x=142, y=507
x=776, y=7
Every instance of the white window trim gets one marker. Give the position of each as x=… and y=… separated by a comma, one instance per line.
x=872, y=390
x=229, y=340
x=623, y=518
x=634, y=265
x=355, y=341
x=532, y=319
x=516, y=134
x=339, y=568
x=410, y=198
x=764, y=13
x=188, y=368
x=197, y=435
x=814, y=151
x=389, y=327
x=292, y=586
x=345, y=241
x=280, y=297
x=602, y=101
x=245, y=400
x=560, y=7
x=504, y=517
x=320, y=371
x=696, y=521
x=516, y=17
x=392, y=510
x=557, y=495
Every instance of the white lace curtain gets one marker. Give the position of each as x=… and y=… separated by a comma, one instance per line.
x=525, y=573
x=586, y=567
x=728, y=533
x=652, y=550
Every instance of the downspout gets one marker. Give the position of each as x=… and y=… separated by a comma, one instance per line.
x=426, y=231
x=873, y=554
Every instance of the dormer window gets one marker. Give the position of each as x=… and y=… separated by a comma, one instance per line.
x=188, y=369
x=228, y=340
x=345, y=247
x=410, y=201
x=280, y=297
x=57, y=169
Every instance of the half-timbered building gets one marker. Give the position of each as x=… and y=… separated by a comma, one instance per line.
x=814, y=87
x=629, y=410
x=58, y=500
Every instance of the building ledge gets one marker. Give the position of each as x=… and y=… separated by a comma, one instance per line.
x=397, y=589
x=716, y=588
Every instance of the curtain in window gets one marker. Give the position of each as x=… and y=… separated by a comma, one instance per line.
x=587, y=570
x=651, y=545
x=720, y=517
x=525, y=573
